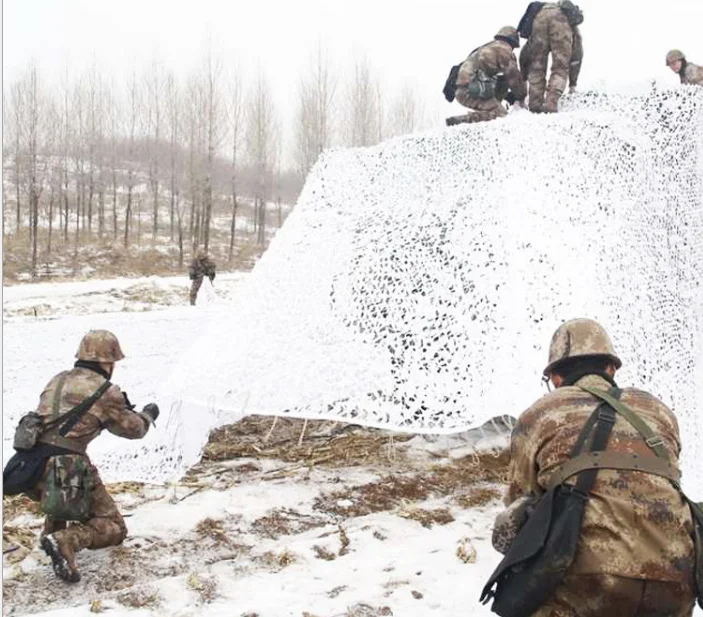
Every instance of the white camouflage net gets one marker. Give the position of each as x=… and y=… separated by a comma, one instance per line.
x=417, y=283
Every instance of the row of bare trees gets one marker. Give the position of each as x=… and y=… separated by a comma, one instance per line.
x=91, y=158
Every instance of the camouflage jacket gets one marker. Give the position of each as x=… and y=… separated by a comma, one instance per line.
x=551, y=23
x=200, y=267
x=109, y=412
x=636, y=525
x=692, y=74
x=493, y=58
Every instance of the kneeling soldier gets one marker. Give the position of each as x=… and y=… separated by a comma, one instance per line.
x=74, y=408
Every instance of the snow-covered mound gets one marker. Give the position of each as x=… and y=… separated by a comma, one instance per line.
x=417, y=283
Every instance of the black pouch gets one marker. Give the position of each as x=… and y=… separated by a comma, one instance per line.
x=27, y=432
x=540, y=555
x=25, y=468
x=449, y=90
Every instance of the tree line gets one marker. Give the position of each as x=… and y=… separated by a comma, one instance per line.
x=82, y=157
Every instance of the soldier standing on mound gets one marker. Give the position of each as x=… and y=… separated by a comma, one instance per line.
x=75, y=407
x=554, y=30
x=688, y=72
x=200, y=267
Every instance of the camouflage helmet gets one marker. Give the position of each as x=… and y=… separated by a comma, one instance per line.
x=509, y=34
x=580, y=338
x=99, y=346
x=674, y=55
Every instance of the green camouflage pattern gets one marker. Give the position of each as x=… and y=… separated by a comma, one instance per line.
x=598, y=595
x=551, y=34
x=99, y=346
x=200, y=267
x=492, y=59
x=578, y=338
x=109, y=411
x=692, y=74
x=636, y=525
x=27, y=431
x=66, y=496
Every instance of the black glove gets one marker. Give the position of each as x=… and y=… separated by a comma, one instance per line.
x=510, y=98
x=212, y=277
x=151, y=410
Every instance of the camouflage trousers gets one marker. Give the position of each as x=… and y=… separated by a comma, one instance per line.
x=549, y=36
x=194, y=288
x=484, y=110
x=105, y=527
x=604, y=595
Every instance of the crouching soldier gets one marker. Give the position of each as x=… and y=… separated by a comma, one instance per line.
x=51, y=464
x=688, y=72
x=200, y=267
x=596, y=523
x=489, y=75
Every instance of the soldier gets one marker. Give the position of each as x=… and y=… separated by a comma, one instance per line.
x=554, y=30
x=688, y=72
x=69, y=482
x=635, y=551
x=201, y=266
x=489, y=75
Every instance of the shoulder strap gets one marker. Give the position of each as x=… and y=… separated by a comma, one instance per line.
x=57, y=397
x=653, y=440
x=62, y=424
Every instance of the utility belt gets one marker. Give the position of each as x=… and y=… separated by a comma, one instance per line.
x=546, y=544
x=62, y=442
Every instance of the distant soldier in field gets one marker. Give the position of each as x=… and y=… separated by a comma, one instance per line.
x=553, y=28
x=200, y=267
x=688, y=72
x=74, y=408
x=489, y=75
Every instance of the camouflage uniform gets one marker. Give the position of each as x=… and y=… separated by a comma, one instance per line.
x=551, y=32
x=691, y=74
x=495, y=58
x=200, y=267
x=635, y=548
x=111, y=411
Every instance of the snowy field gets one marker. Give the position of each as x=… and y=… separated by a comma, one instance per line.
x=255, y=537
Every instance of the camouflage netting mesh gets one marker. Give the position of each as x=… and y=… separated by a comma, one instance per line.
x=417, y=283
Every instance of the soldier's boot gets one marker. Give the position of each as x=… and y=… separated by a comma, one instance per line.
x=551, y=102
x=60, y=548
x=454, y=120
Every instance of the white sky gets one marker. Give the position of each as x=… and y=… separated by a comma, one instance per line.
x=415, y=42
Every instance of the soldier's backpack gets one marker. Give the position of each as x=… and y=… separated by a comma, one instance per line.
x=574, y=14
x=525, y=25
x=69, y=483
x=449, y=90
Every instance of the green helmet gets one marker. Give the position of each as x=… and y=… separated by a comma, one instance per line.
x=674, y=55
x=99, y=346
x=509, y=34
x=579, y=338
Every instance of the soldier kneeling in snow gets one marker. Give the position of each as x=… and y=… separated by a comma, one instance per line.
x=51, y=464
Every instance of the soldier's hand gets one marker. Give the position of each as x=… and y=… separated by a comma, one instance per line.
x=572, y=89
x=212, y=277
x=151, y=411
x=127, y=403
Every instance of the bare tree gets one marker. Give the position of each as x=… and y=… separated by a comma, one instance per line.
x=133, y=106
x=236, y=123
x=363, y=118
x=214, y=117
x=194, y=128
x=14, y=127
x=406, y=112
x=261, y=140
x=173, y=116
x=155, y=84
x=314, y=131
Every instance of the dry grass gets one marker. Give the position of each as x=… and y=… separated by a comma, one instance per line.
x=284, y=522
x=140, y=598
x=206, y=587
x=478, y=496
x=428, y=518
x=322, y=553
x=465, y=551
x=323, y=442
x=277, y=561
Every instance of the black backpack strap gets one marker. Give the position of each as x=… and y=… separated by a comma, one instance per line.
x=73, y=417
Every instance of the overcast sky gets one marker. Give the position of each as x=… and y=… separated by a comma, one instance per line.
x=416, y=42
